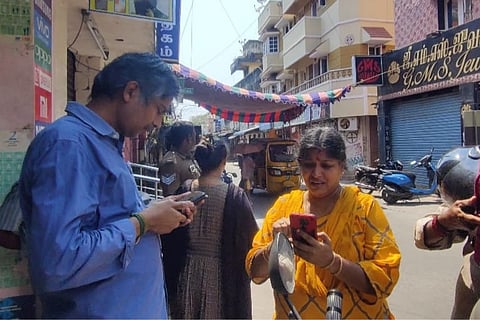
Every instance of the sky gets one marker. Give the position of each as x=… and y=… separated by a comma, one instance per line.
x=210, y=31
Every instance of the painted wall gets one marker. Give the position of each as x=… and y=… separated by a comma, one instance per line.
x=414, y=20
x=16, y=106
x=16, y=83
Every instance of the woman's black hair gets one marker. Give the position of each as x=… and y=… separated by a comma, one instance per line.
x=154, y=77
x=178, y=132
x=209, y=157
x=322, y=138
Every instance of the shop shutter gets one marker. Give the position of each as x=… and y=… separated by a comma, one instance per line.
x=420, y=123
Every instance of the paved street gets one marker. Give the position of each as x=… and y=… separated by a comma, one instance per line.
x=427, y=279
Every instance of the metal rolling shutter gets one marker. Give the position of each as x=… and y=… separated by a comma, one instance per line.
x=421, y=123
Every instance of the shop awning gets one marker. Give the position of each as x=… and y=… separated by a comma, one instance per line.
x=237, y=104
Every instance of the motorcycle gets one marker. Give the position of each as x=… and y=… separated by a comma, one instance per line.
x=368, y=178
x=227, y=177
x=401, y=185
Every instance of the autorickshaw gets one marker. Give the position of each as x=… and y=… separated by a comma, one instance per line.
x=276, y=166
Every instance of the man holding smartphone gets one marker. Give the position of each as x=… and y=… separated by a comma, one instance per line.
x=93, y=247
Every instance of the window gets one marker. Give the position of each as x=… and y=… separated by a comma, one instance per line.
x=310, y=71
x=317, y=68
x=273, y=88
x=374, y=50
x=282, y=152
x=322, y=2
x=314, y=8
x=270, y=45
x=321, y=66
x=452, y=13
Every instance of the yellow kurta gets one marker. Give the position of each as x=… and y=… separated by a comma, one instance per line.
x=360, y=233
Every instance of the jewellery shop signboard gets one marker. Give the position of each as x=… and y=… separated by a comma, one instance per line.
x=444, y=56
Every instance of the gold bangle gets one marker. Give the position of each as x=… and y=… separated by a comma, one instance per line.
x=339, y=268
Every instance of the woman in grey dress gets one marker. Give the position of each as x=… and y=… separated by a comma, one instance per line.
x=204, y=262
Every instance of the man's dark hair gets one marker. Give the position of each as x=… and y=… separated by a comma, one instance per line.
x=155, y=78
x=178, y=132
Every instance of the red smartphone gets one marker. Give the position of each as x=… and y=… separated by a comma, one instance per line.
x=306, y=222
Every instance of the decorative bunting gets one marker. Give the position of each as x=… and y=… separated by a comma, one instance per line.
x=242, y=105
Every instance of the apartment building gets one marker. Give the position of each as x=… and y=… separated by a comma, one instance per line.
x=431, y=96
x=308, y=47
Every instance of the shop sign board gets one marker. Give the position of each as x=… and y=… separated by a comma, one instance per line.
x=43, y=109
x=443, y=56
x=159, y=11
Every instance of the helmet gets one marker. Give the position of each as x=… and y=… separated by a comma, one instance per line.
x=456, y=175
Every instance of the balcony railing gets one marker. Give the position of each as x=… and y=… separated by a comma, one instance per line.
x=271, y=14
x=147, y=179
x=327, y=76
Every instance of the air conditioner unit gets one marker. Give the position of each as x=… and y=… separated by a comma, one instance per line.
x=347, y=124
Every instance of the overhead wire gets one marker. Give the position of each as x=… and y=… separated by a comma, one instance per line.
x=78, y=33
x=186, y=21
x=228, y=46
x=230, y=19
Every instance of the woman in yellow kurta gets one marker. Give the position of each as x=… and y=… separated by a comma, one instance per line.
x=356, y=251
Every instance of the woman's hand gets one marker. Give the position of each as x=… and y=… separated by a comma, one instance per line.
x=282, y=225
x=318, y=252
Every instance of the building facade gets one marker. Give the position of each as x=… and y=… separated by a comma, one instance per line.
x=308, y=47
x=50, y=54
x=430, y=95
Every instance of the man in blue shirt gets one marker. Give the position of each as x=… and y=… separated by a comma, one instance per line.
x=94, y=250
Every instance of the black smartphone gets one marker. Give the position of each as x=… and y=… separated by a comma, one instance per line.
x=196, y=197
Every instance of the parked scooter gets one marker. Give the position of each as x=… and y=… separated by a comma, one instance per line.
x=401, y=185
x=368, y=178
x=227, y=177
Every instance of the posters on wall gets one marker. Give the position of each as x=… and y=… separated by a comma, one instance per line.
x=13, y=145
x=16, y=298
x=42, y=32
x=15, y=17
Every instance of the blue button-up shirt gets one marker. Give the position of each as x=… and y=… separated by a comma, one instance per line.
x=77, y=194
